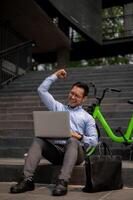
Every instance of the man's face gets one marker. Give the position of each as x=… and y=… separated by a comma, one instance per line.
x=76, y=96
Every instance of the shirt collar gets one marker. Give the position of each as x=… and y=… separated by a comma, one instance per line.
x=74, y=108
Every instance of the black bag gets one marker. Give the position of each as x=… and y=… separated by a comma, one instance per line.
x=103, y=172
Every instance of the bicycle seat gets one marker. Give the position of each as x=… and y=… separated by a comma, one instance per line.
x=130, y=101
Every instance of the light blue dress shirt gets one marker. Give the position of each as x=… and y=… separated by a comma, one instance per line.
x=80, y=121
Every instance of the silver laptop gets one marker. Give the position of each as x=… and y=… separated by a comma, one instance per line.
x=49, y=124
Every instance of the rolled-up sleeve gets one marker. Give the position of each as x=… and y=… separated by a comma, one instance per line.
x=90, y=137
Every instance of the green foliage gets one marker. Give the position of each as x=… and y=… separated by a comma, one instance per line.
x=101, y=61
x=75, y=64
x=113, y=22
x=108, y=61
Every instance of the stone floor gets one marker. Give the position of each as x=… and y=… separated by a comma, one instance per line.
x=43, y=192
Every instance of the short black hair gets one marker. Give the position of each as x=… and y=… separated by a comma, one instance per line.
x=82, y=85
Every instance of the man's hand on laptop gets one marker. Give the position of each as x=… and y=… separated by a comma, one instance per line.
x=61, y=73
x=76, y=135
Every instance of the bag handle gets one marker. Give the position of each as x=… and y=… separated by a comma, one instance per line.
x=105, y=147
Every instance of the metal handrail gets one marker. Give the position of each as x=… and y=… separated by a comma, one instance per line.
x=7, y=75
x=9, y=50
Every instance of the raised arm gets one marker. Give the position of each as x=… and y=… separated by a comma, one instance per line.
x=43, y=91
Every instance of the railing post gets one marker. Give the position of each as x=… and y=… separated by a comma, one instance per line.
x=17, y=63
x=0, y=73
x=29, y=58
x=128, y=21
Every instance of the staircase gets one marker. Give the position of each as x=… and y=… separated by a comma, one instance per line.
x=19, y=99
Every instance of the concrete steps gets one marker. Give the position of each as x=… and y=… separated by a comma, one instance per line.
x=28, y=124
x=19, y=99
x=14, y=169
x=32, y=89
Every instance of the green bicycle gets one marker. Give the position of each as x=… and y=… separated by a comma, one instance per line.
x=95, y=111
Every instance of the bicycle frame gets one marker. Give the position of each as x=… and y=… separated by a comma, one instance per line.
x=95, y=111
x=128, y=134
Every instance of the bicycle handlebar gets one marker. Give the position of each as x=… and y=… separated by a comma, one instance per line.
x=103, y=92
x=130, y=101
x=115, y=90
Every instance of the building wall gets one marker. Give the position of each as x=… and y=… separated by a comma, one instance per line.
x=128, y=20
x=84, y=14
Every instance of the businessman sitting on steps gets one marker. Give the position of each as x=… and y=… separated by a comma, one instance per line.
x=67, y=153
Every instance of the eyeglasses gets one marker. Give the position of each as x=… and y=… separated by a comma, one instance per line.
x=75, y=95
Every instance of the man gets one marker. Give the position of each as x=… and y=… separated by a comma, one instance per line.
x=66, y=153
